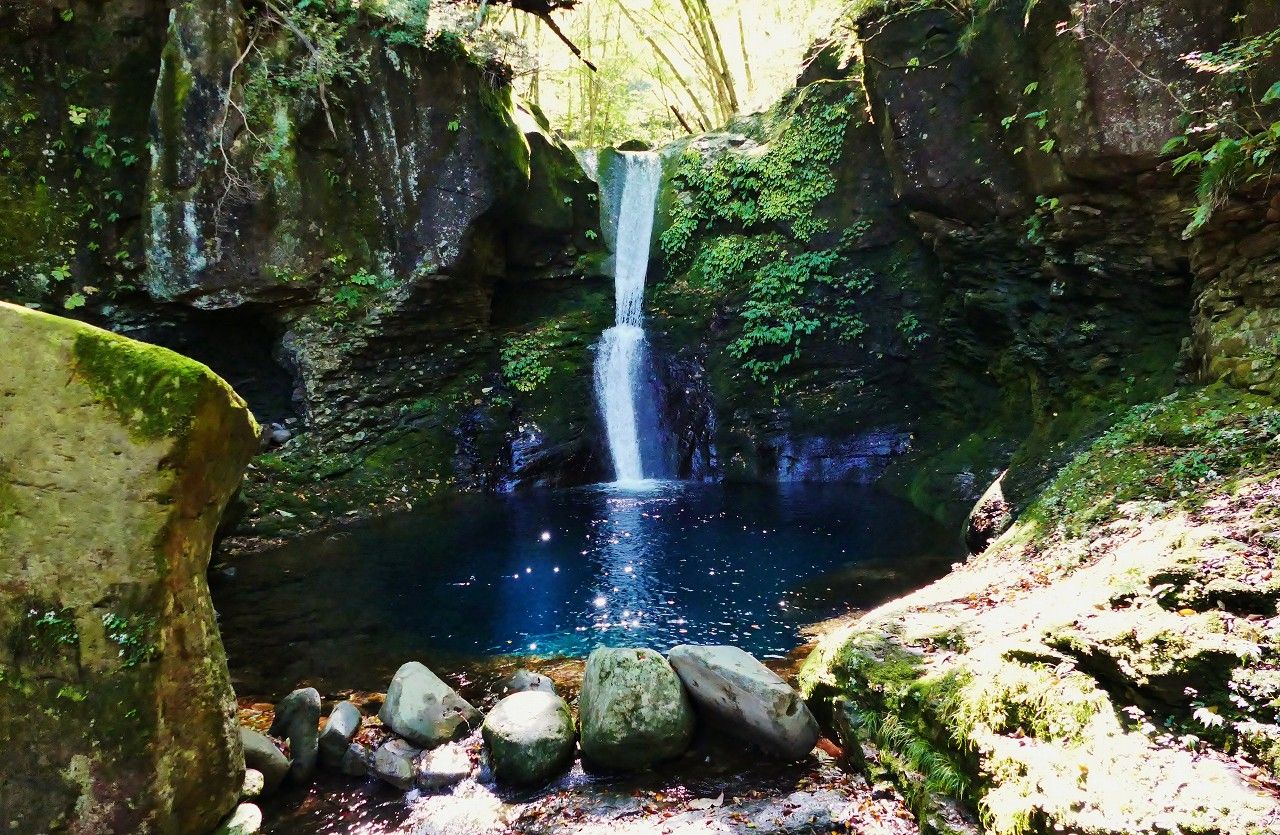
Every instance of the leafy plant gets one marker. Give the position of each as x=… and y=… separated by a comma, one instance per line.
x=131, y=635
x=524, y=362
x=1234, y=140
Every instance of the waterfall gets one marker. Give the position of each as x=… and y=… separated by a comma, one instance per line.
x=620, y=358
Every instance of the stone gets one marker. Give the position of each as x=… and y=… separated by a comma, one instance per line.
x=356, y=760
x=523, y=680
x=116, y=461
x=746, y=698
x=990, y=517
x=339, y=729
x=424, y=710
x=261, y=753
x=633, y=710
x=443, y=767
x=245, y=820
x=254, y=783
x=298, y=719
x=394, y=763
x=530, y=737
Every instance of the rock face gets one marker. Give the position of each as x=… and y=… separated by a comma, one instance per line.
x=297, y=719
x=417, y=206
x=424, y=710
x=633, y=711
x=116, y=460
x=530, y=737
x=746, y=698
x=262, y=754
x=339, y=729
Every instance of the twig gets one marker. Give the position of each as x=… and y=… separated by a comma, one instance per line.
x=573, y=47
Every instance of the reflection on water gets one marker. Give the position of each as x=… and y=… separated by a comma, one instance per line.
x=558, y=573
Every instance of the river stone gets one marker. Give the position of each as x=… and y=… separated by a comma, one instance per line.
x=633, y=710
x=245, y=820
x=339, y=729
x=424, y=710
x=523, y=680
x=746, y=698
x=445, y=766
x=261, y=753
x=393, y=763
x=297, y=719
x=530, y=737
x=356, y=760
x=116, y=461
x=254, y=784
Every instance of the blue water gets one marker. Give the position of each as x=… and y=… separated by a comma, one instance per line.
x=562, y=572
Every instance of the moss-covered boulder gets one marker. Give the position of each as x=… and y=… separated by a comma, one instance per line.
x=633, y=710
x=116, y=461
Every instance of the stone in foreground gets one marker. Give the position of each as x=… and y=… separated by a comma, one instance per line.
x=746, y=698
x=245, y=820
x=297, y=719
x=633, y=710
x=522, y=680
x=262, y=754
x=443, y=767
x=424, y=710
x=530, y=737
x=356, y=760
x=116, y=461
x=339, y=729
x=393, y=763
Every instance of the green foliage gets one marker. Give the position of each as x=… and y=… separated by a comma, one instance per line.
x=132, y=636
x=780, y=188
x=1235, y=140
x=911, y=329
x=525, y=361
x=744, y=223
x=1034, y=224
x=303, y=76
x=46, y=632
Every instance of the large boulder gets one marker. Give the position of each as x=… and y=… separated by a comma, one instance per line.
x=746, y=698
x=339, y=729
x=633, y=710
x=424, y=710
x=116, y=461
x=297, y=718
x=530, y=737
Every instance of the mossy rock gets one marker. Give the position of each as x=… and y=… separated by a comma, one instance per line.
x=116, y=461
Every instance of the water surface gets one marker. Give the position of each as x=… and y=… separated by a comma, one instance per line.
x=559, y=573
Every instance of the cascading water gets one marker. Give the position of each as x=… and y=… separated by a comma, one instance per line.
x=620, y=358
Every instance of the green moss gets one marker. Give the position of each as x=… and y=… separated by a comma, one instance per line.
x=883, y=695
x=1178, y=449
x=8, y=499
x=153, y=390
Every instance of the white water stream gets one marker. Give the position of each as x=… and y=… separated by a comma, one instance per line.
x=620, y=360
